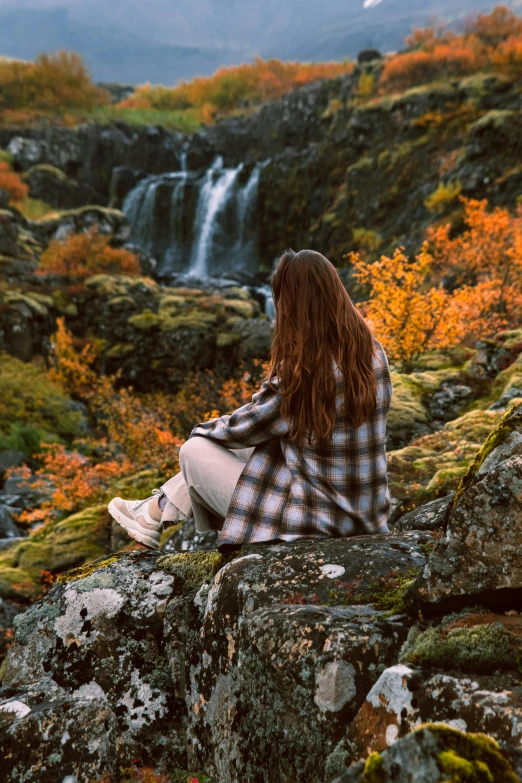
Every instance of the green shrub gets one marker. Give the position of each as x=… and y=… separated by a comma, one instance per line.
x=24, y=437
x=31, y=403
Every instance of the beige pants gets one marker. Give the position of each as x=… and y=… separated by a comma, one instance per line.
x=204, y=487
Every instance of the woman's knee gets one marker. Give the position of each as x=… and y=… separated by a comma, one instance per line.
x=190, y=450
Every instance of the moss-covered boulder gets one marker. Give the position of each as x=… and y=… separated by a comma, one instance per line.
x=56, y=547
x=404, y=697
x=478, y=559
x=52, y=186
x=434, y=464
x=438, y=753
x=477, y=642
x=29, y=398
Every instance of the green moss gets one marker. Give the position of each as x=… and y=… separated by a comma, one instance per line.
x=374, y=771
x=443, y=197
x=477, y=648
x=57, y=173
x=197, y=320
x=193, y=569
x=6, y=157
x=120, y=350
x=146, y=320
x=56, y=547
x=511, y=421
x=387, y=592
x=384, y=592
x=111, y=215
x=225, y=339
x=495, y=119
x=488, y=765
x=120, y=285
x=36, y=304
x=88, y=568
x=27, y=395
x=243, y=308
x=406, y=405
x=460, y=770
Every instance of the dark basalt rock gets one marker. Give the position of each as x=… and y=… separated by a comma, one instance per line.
x=52, y=186
x=428, y=517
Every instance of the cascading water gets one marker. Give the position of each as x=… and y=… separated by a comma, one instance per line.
x=213, y=198
x=200, y=226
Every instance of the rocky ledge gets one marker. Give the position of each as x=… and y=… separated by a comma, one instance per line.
x=289, y=662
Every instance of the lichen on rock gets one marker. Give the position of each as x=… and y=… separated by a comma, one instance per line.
x=192, y=569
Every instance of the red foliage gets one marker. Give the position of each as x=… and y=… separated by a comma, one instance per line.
x=82, y=255
x=10, y=181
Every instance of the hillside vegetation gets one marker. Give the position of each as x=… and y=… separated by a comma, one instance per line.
x=58, y=87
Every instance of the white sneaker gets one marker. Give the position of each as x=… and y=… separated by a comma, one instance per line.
x=141, y=522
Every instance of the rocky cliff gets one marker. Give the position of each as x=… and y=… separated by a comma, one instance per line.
x=286, y=662
x=341, y=169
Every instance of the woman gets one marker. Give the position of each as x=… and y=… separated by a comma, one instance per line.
x=307, y=457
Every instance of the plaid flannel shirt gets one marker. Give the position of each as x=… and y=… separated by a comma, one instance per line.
x=289, y=490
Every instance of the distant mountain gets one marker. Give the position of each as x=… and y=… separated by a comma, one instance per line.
x=112, y=53
x=168, y=40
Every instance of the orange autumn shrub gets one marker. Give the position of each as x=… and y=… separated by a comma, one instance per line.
x=440, y=61
x=486, y=256
x=412, y=315
x=407, y=315
x=231, y=86
x=490, y=247
x=72, y=481
x=489, y=42
x=204, y=396
x=128, y=434
x=53, y=81
x=495, y=27
x=89, y=253
x=507, y=57
x=71, y=365
x=10, y=181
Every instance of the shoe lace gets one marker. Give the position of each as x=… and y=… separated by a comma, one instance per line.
x=155, y=492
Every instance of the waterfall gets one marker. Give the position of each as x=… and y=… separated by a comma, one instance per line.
x=213, y=198
x=197, y=225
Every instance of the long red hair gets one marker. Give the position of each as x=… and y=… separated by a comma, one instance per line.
x=318, y=327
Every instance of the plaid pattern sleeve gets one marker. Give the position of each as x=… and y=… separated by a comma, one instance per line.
x=290, y=490
x=252, y=424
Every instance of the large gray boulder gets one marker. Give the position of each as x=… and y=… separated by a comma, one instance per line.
x=170, y=652
x=98, y=636
x=293, y=636
x=479, y=557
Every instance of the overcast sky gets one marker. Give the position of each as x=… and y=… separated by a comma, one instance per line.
x=133, y=39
